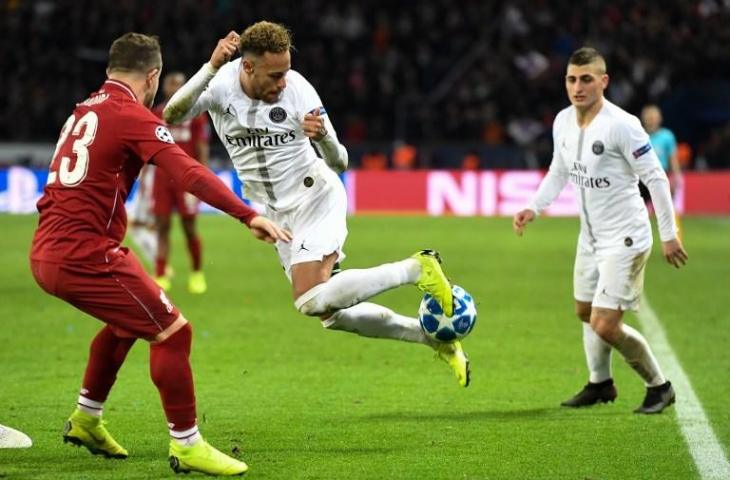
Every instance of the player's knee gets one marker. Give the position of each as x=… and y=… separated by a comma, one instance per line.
x=583, y=311
x=311, y=303
x=606, y=327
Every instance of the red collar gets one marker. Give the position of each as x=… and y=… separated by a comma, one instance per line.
x=119, y=86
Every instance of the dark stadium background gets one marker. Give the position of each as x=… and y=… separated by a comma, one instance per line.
x=473, y=83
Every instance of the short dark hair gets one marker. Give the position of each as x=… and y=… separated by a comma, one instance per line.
x=263, y=36
x=586, y=56
x=135, y=52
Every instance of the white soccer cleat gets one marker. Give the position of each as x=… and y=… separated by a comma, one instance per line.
x=11, y=438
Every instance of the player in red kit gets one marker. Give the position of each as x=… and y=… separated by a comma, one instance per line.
x=76, y=253
x=192, y=136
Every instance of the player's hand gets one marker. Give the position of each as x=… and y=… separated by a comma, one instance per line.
x=264, y=229
x=674, y=253
x=225, y=50
x=313, y=126
x=521, y=219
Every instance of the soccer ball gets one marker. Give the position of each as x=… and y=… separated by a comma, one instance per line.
x=448, y=329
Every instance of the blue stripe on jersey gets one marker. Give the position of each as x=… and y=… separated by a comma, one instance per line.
x=322, y=111
x=641, y=151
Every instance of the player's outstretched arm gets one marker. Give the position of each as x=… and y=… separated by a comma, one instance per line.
x=189, y=101
x=201, y=182
x=521, y=219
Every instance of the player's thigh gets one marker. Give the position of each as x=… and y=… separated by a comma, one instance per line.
x=585, y=277
x=307, y=275
x=621, y=279
x=120, y=294
x=319, y=228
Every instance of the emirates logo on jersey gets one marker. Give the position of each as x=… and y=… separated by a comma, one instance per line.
x=163, y=134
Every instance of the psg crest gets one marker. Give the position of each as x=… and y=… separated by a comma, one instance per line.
x=277, y=114
x=597, y=147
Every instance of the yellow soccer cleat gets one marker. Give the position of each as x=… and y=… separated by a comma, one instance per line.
x=87, y=430
x=197, y=283
x=454, y=355
x=163, y=282
x=201, y=457
x=433, y=280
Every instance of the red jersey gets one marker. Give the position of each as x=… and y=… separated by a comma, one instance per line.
x=101, y=149
x=188, y=133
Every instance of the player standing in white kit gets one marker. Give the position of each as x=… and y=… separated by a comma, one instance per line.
x=603, y=151
x=269, y=117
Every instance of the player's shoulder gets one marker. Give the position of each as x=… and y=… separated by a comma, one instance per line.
x=615, y=115
x=297, y=82
x=226, y=77
x=562, y=117
x=158, y=109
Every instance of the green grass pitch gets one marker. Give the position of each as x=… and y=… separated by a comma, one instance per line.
x=301, y=402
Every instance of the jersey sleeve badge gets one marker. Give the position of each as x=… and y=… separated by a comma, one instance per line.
x=163, y=134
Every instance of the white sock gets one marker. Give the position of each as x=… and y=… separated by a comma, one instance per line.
x=638, y=355
x=351, y=287
x=89, y=406
x=598, y=355
x=188, y=437
x=372, y=320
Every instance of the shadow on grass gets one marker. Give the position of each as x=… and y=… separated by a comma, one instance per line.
x=557, y=414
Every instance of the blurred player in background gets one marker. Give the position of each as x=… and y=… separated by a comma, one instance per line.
x=141, y=219
x=603, y=151
x=12, y=438
x=665, y=145
x=287, y=155
x=76, y=253
x=192, y=136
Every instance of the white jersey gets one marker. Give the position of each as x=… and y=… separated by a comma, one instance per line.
x=265, y=141
x=604, y=161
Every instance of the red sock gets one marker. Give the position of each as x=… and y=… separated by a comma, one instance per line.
x=170, y=371
x=160, y=266
x=195, y=249
x=106, y=356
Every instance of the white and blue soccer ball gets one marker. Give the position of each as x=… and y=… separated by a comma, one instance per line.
x=448, y=329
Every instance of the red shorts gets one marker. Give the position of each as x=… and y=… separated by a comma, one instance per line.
x=166, y=197
x=119, y=293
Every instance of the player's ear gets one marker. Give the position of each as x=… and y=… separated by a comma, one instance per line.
x=247, y=65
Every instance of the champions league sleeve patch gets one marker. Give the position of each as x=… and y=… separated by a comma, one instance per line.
x=641, y=151
x=163, y=134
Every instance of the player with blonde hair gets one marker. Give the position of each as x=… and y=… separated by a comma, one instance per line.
x=287, y=155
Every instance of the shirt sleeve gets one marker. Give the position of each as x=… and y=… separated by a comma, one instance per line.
x=143, y=133
x=193, y=98
x=329, y=148
x=638, y=152
x=193, y=177
x=555, y=179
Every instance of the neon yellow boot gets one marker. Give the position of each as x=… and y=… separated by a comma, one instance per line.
x=202, y=457
x=87, y=430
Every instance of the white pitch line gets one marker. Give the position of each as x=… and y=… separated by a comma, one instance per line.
x=706, y=450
